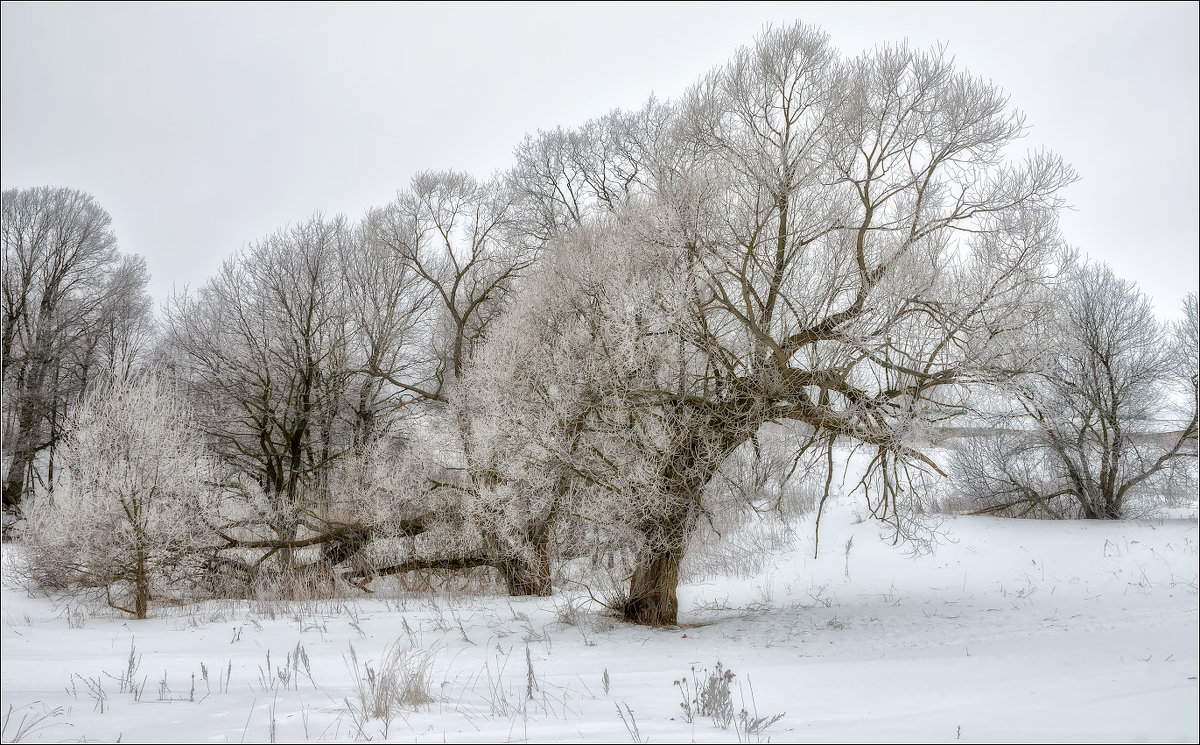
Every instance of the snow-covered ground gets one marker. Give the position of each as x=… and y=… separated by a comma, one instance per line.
x=1009, y=630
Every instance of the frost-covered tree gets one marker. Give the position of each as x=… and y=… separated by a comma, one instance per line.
x=127, y=518
x=458, y=239
x=1098, y=427
x=841, y=243
x=301, y=357
x=513, y=487
x=566, y=176
x=473, y=244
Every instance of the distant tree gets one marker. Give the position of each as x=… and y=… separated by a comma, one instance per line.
x=563, y=178
x=73, y=309
x=1099, y=424
x=453, y=234
x=127, y=519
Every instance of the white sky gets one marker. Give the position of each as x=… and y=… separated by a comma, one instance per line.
x=202, y=127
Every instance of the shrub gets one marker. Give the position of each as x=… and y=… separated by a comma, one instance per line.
x=126, y=519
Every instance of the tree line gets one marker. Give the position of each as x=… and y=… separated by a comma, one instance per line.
x=514, y=371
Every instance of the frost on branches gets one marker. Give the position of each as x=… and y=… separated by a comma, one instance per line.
x=840, y=243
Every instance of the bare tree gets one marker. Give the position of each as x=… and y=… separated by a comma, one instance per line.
x=263, y=351
x=388, y=317
x=127, y=519
x=565, y=177
x=302, y=357
x=451, y=231
x=72, y=309
x=1097, y=429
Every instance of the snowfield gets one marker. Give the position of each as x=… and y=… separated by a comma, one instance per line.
x=1007, y=631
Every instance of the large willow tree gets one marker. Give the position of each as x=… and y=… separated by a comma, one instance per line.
x=843, y=243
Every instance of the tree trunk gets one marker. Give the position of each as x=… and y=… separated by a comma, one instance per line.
x=1110, y=507
x=27, y=433
x=526, y=575
x=285, y=555
x=31, y=399
x=141, y=587
x=14, y=482
x=653, y=598
x=527, y=571
x=702, y=446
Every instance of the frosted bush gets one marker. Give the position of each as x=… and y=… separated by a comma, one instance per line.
x=126, y=519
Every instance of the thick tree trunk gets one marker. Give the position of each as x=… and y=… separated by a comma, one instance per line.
x=1108, y=507
x=653, y=598
x=703, y=445
x=14, y=481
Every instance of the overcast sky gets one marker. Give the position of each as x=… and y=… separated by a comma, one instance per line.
x=203, y=127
